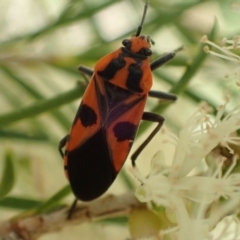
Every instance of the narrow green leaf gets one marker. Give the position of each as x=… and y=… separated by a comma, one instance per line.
x=70, y=14
x=19, y=203
x=8, y=175
x=181, y=85
x=23, y=136
x=127, y=180
x=193, y=95
x=41, y=107
x=115, y=221
x=34, y=93
x=54, y=200
x=15, y=103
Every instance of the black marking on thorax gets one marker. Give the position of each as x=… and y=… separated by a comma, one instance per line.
x=135, y=56
x=113, y=66
x=134, y=77
x=118, y=63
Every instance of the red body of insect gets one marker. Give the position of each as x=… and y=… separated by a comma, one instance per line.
x=108, y=117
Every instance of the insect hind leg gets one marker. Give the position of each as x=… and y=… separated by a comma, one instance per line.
x=62, y=144
x=151, y=117
x=72, y=208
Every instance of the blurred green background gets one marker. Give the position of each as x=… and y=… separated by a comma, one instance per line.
x=42, y=42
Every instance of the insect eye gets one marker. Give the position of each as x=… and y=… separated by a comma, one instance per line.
x=126, y=42
x=148, y=52
x=145, y=52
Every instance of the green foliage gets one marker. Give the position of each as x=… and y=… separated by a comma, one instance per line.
x=54, y=200
x=8, y=175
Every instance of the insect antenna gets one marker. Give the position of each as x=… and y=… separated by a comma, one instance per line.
x=143, y=18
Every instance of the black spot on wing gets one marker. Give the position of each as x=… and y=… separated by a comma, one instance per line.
x=90, y=168
x=115, y=65
x=124, y=131
x=134, y=77
x=87, y=115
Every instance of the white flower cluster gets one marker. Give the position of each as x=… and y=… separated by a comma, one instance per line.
x=225, y=52
x=174, y=188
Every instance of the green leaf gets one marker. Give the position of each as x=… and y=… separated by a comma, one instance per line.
x=127, y=180
x=41, y=107
x=23, y=136
x=115, y=221
x=19, y=203
x=8, y=175
x=34, y=93
x=54, y=200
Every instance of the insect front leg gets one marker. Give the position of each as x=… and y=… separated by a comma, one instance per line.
x=162, y=95
x=62, y=144
x=86, y=70
x=164, y=59
x=158, y=63
x=151, y=117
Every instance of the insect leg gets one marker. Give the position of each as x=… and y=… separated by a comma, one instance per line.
x=71, y=210
x=162, y=95
x=164, y=59
x=85, y=70
x=62, y=144
x=151, y=117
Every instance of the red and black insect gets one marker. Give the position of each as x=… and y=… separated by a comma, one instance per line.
x=109, y=114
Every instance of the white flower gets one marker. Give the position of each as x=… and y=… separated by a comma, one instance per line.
x=172, y=186
x=225, y=52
